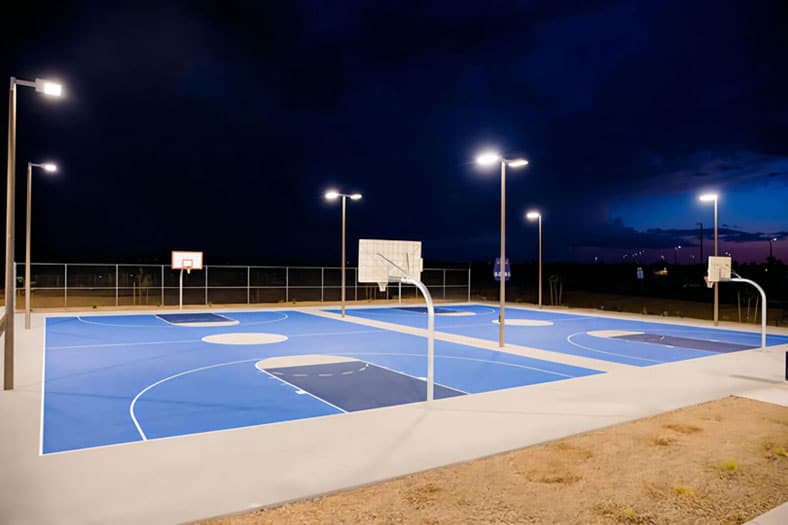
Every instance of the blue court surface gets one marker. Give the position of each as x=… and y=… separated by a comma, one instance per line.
x=636, y=343
x=124, y=378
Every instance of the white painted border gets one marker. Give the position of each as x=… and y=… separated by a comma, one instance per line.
x=569, y=340
x=43, y=383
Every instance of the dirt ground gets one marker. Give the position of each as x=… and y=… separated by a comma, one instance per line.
x=719, y=462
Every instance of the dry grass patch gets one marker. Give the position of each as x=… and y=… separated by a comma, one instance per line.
x=683, y=428
x=663, y=441
x=667, y=469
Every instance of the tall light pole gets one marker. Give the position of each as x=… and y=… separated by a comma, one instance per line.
x=771, y=240
x=47, y=88
x=536, y=216
x=713, y=197
x=333, y=195
x=51, y=168
x=676, y=254
x=486, y=159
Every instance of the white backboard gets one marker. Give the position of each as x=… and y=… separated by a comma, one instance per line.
x=719, y=269
x=182, y=260
x=382, y=261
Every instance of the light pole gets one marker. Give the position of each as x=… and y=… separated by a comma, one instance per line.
x=676, y=255
x=47, y=88
x=536, y=216
x=51, y=168
x=486, y=159
x=773, y=239
x=333, y=195
x=713, y=197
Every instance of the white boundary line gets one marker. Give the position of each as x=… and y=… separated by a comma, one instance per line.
x=84, y=320
x=421, y=379
x=299, y=389
x=168, y=324
x=461, y=358
x=111, y=345
x=278, y=319
x=569, y=340
x=200, y=369
x=43, y=382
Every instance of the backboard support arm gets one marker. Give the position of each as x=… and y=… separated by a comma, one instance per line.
x=738, y=279
x=430, y=334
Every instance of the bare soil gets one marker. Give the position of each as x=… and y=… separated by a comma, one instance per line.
x=720, y=462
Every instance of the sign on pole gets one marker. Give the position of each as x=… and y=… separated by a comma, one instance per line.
x=497, y=269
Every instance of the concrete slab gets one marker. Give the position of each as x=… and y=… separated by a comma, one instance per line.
x=776, y=516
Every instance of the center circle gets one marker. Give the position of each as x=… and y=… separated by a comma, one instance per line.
x=249, y=338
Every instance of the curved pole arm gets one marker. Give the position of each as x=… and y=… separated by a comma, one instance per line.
x=430, y=334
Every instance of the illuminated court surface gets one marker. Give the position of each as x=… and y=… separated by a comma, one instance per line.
x=116, y=379
x=218, y=411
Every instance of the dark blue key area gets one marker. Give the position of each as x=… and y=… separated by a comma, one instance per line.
x=357, y=385
x=687, y=342
x=193, y=318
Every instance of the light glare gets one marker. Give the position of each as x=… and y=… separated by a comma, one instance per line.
x=516, y=163
x=46, y=87
x=532, y=215
x=487, y=158
x=332, y=194
x=355, y=197
x=50, y=167
x=708, y=197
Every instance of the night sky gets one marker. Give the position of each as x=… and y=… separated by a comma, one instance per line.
x=218, y=126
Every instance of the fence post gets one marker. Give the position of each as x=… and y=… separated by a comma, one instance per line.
x=444, y=283
x=162, y=285
x=248, y=284
x=116, y=286
x=469, y=283
x=355, y=285
x=206, y=285
x=322, y=283
x=65, y=285
x=287, y=284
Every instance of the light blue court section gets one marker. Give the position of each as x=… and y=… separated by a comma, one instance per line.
x=650, y=343
x=118, y=379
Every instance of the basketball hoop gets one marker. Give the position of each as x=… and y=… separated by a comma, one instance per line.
x=182, y=260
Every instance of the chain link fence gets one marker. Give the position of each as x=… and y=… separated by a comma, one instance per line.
x=77, y=285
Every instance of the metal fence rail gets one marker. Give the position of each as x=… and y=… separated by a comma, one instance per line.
x=64, y=285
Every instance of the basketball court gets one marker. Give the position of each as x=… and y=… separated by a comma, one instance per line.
x=118, y=379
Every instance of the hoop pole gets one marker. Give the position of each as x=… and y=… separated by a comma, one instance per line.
x=502, y=284
x=763, y=307
x=430, y=335
x=180, y=291
x=344, y=223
